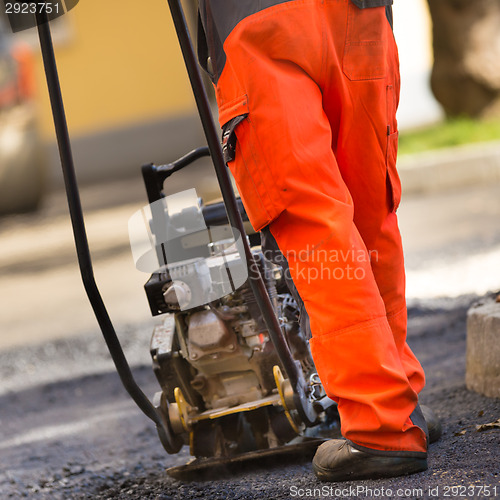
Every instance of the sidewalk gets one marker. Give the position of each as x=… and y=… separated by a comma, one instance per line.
x=450, y=168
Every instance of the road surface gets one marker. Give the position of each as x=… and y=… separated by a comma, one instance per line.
x=68, y=429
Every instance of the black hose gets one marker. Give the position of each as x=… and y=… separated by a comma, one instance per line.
x=78, y=223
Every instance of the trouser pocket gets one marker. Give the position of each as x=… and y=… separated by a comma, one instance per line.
x=393, y=180
x=366, y=44
x=243, y=153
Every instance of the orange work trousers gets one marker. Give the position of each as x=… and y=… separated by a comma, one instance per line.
x=316, y=86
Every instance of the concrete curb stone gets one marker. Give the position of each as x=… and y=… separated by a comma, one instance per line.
x=482, y=373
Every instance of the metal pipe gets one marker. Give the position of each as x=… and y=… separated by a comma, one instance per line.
x=256, y=282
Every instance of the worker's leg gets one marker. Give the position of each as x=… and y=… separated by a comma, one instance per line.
x=289, y=179
x=366, y=155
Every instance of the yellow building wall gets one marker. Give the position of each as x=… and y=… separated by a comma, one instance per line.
x=119, y=64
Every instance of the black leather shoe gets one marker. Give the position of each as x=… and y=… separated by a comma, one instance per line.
x=337, y=460
x=433, y=424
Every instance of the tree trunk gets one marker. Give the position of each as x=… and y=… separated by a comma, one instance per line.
x=466, y=40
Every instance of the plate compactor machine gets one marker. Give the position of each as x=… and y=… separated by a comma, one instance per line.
x=236, y=376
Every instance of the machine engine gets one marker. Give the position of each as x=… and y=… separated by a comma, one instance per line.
x=215, y=363
x=222, y=388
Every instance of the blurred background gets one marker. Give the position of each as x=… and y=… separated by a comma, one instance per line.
x=128, y=102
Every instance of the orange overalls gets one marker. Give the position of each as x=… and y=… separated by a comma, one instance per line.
x=307, y=93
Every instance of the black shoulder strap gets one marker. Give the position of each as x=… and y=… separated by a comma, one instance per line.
x=365, y=4
x=388, y=13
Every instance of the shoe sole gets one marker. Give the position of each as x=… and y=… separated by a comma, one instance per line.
x=379, y=468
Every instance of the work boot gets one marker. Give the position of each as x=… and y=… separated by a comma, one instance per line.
x=337, y=460
x=433, y=424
